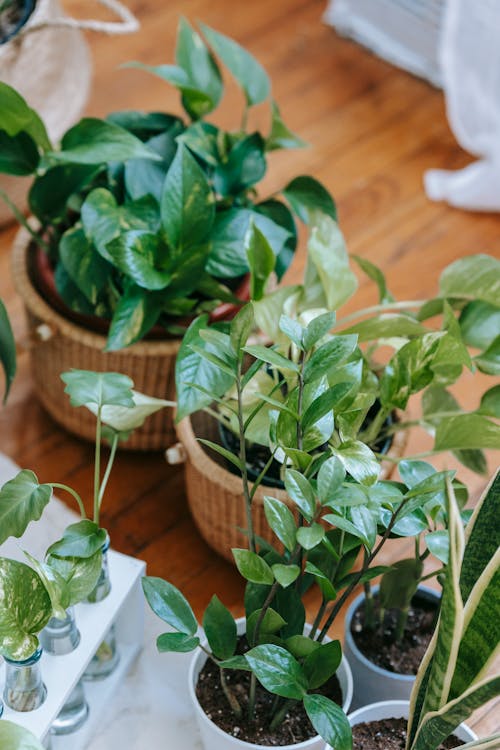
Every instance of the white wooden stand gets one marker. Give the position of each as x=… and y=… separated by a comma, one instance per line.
x=123, y=607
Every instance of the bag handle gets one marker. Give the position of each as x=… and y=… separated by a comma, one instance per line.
x=127, y=24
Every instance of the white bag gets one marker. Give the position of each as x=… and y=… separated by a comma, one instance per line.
x=49, y=63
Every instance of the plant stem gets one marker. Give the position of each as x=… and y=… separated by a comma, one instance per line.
x=280, y=715
x=251, y=697
x=109, y=466
x=97, y=465
x=73, y=492
x=261, y=476
x=381, y=308
x=23, y=221
x=243, y=459
x=317, y=619
x=402, y=619
x=432, y=574
x=369, y=435
x=231, y=698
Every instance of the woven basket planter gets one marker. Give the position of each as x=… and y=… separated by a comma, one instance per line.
x=57, y=344
x=215, y=495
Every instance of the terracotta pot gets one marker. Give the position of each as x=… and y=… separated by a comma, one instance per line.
x=214, y=738
x=215, y=495
x=370, y=681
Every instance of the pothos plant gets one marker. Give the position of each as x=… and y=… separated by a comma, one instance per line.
x=454, y=678
x=7, y=349
x=331, y=519
x=144, y=215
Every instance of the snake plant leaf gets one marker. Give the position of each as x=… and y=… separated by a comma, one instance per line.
x=169, y=604
x=94, y=141
x=128, y=418
x=15, y=737
x=329, y=280
x=7, y=349
x=86, y=387
x=475, y=277
x=17, y=117
x=80, y=574
x=247, y=71
x=307, y=198
x=278, y=671
x=220, y=629
x=81, y=539
x=329, y=721
x=281, y=136
x=22, y=500
x=25, y=609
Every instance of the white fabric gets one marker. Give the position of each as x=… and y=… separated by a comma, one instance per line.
x=152, y=708
x=470, y=56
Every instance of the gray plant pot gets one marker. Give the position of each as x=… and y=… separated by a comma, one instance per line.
x=372, y=683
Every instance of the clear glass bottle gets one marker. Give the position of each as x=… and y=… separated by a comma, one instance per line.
x=1, y=708
x=106, y=657
x=47, y=743
x=61, y=637
x=24, y=689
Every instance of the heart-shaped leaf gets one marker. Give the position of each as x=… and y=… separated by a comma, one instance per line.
x=86, y=387
x=82, y=539
x=22, y=500
x=80, y=574
x=94, y=141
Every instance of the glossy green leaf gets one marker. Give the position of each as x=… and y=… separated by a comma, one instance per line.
x=87, y=387
x=329, y=356
x=322, y=664
x=480, y=323
x=245, y=166
x=87, y=269
x=490, y=402
x=325, y=404
x=128, y=418
x=329, y=721
x=81, y=539
x=15, y=737
x=301, y=646
x=252, y=567
x=223, y=452
x=467, y=431
x=248, y=72
x=399, y=584
x=310, y=536
x=22, y=499
x=135, y=314
x=54, y=584
x=270, y=624
x=260, y=261
x=138, y=253
x=330, y=478
x=145, y=125
x=475, y=277
x=18, y=154
x=307, y=197
x=25, y=609
x=300, y=492
x=292, y=329
x=278, y=671
x=439, y=545
x=281, y=520
x=285, y=574
x=220, y=629
x=329, y=280
x=386, y=326
x=203, y=140
x=51, y=191
x=271, y=357
x=414, y=472
x=489, y=360
x=7, y=349
x=359, y=461
x=281, y=136
x=94, y=141
x=241, y=327
x=281, y=217
x=169, y=604
x=339, y=522
x=177, y=642
x=187, y=202
x=17, y=117
x=193, y=57
x=80, y=573
x=327, y=590
x=375, y=274
x=318, y=327
x=409, y=371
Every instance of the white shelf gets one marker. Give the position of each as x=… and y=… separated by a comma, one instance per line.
x=123, y=607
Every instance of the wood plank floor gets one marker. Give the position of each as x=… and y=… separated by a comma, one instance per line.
x=373, y=131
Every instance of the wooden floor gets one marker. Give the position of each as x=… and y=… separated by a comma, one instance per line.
x=373, y=131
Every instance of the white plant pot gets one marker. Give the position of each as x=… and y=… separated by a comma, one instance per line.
x=370, y=681
x=214, y=738
x=397, y=710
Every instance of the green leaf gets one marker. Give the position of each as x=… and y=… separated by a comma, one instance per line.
x=307, y=197
x=87, y=387
x=271, y=623
x=319, y=326
x=278, y=671
x=80, y=573
x=490, y=403
x=138, y=254
x=51, y=191
x=489, y=360
x=339, y=522
x=18, y=154
x=409, y=371
x=282, y=219
x=271, y=357
x=194, y=58
x=187, y=202
x=285, y=574
x=25, y=609
x=329, y=721
x=220, y=629
x=310, y=536
x=94, y=141
x=7, y=349
x=322, y=664
x=439, y=545
x=245, y=166
x=15, y=737
x=292, y=329
x=475, y=277
x=479, y=324
x=169, y=604
x=399, y=584
x=300, y=492
x=252, y=567
x=281, y=520
x=87, y=269
x=128, y=418
x=223, y=452
x=281, y=136
x=178, y=642
x=375, y=274
x=414, y=472
x=301, y=646
x=467, y=431
x=81, y=539
x=22, y=500
x=330, y=478
x=247, y=71
x=359, y=461
x=329, y=280
x=261, y=261
x=54, y=584
x=241, y=327
x=386, y=326
x=135, y=314
x=329, y=356
x=17, y=117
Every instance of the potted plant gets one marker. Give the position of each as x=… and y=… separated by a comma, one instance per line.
x=147, y=226
x=334, y=517
x=453, y=679
x=362, y=394
x=7, y=349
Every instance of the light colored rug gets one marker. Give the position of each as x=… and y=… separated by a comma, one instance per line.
x=151, y=709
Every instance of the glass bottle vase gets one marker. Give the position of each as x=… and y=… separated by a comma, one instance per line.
x=24, y=689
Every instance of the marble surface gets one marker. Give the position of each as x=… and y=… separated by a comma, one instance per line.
x=151, y=709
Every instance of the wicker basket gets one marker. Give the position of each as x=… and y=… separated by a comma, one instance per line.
x=215, y=495
x=57, y=345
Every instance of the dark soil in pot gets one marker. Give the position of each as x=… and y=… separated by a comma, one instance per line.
x=379, y=646
x=388, y=734
x=258, y=455
x=13, y=16
x=295, y=728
